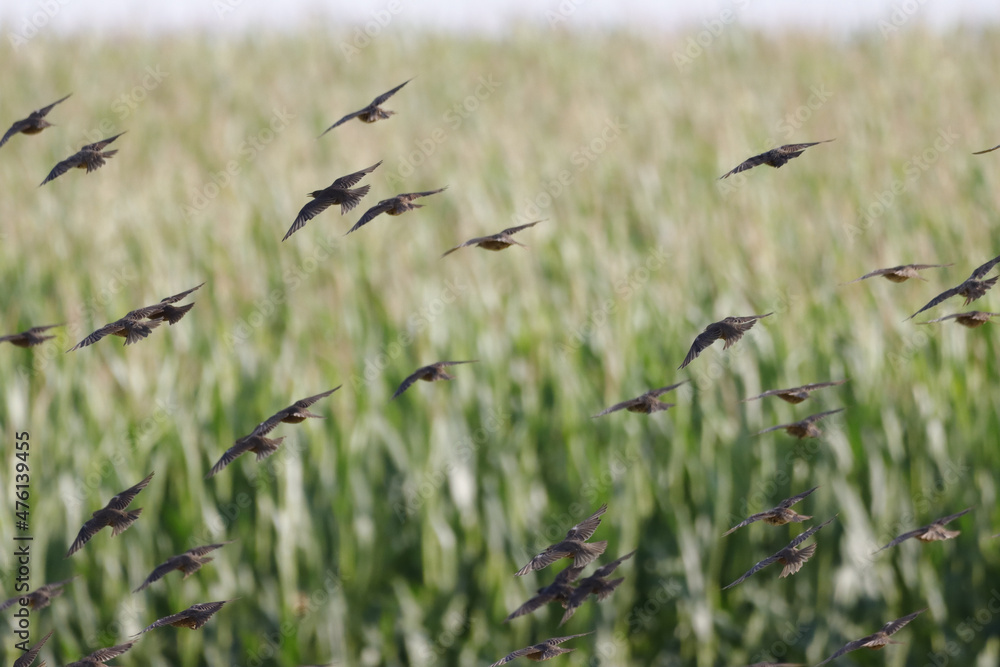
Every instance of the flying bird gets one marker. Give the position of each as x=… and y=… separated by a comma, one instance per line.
x=338, y=192
x=29, y=338
x=774, y=157
x=932, y=532
x=188, y=562
x=295, y=413
x=730, y=329
x=596, y=584
x=373, y=112
x=431, y=373
x=29, y=656
x=790, y=556
x=394, y=206
x=988, y=150
x=559, y=590
x=805, y=428
x=40, y=597
x=971, y=319
x=193, y=617
x=647, y=403
x=777, y=516
x=878, y=640
x=544, y=651
x=90, y=157
x=258, y=444
x=795, y=394
x=113, y=514
x=574, y=546
x=33, y=124
x=973, y=288
x=98, y=658
x=132, y=327
x=496, y=242
x=900, y=274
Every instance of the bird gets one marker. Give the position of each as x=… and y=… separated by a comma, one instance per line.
x=574, y=546
x=496, y=242
x=338, y=192
x=98, y=658
x=899, y=274
x=973, y=288
x=932, y=532
x=394, y=206
x=790, y=556
x=132, y=327
x=647, y=403
x=795, y=394
x=988, y=150
x=730, y=329
x=371, y=113
x=596, y=584
x=29, y=338
x=295, y=413
x=431, y=373
x=29, y=656
x=774, y=157
x=777, y=516
x=559, y=590
x=33, y=124
x=258, y=444
x=188, y=562
x=544, y=651
x=40, y=597
x=878, y=640
x=192, y=618
x=971, y=319
x=90, y=157
x=805, y=428
x=113, y=514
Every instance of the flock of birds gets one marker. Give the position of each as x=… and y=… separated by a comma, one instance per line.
x=139, y=323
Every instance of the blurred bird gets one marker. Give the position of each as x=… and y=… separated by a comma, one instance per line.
x=774, y=157
x=338, y=192
x=805, y=428
x=795, y=394
x=295, y=413
x=971, y=319
x=40, y=597
x=647, y=403
x=932, y=532
x=192, y=618
x=789, y=556
x=878, y=640
x=188, y=562
x=394, y=206
x=113, y=514
x=988, y=150
x=730, y=329
x=559, y=590
x=29, y=338
x=258, y=444
x=496, y=242
x=90, y=157
x=777, y=516
x=973, y=288
x=29, y=656
x=544, y=651
x=33, y=124
x=98, y=658
x=574, y=546
x=132, y=327
x=900, y=274
x=596, y=584
x=373, y=112
x=431, y=373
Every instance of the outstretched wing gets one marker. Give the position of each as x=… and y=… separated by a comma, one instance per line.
x=981, y=271
x=948, y=519
x=821, y=415
x=847, y=648
x=306, y=402
x=478, y=239
x=606, y=570
x=586, y=528
x=344, y=120
x=385, y=96
x=90, y=528
x=701, y=343
x=61, y=168
x=410, y=196
x=29, y=656
x=241, y=446
x=988, y=150
x=747, y=521
x=904, y=537
x=44, y=111
x=14, y=129
x=617, y=406
x=351, y=179
x=99, y=145
x=158, y=573
x=749, y=163
x=788, y=502
x=662, y=390
x=123, y=499
x=947, y=294
x=307, y=213
x=893, y=627
x=208, y=548
x=410, y=380
x=515, y=230
x=530, y=606
x=753, y=570
x=371, y=213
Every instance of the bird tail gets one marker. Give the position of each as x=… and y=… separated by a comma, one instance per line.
x=173, y=314
x=588, y=551
x=268, y=446
x=130, y=517
x=795, y=564
x=353, y=197
x=190, y=568
x=109, y=153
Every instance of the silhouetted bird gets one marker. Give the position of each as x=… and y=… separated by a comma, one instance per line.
x=188, y=562
x=795, y=394
x=559, y=590
x=29, y=338
x=596, y=584
x=774, y=157
x=373, y=112
x=777, y=516
x=805, y=428
x=431, y=373
x=113, y=514
x=98, y=658
x=544, y=651
x=40, y=597
x=394, y=206
x=988, y=150
x=900, y=274
x=932, y=532
x=192, y=618
x=646, y=403
x=876, y=641
x=971, y=319
x=132, y=327
x=258, y=444
x=731, y=329
x=338, y=192
x=789, y=556
x=973, y=288
x=29, y=656
x=499, y=241
x=574, y=546
x=33, y=124
x=90, y=157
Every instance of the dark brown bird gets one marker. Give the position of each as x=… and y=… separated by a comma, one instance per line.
x=373, y=112
x=900, y=274
x=394, y=206
x=596, y=584
x=29, y=656
x=258, y=444
x=188, y=562
x=90, y=157
x=295, y=413
x=795, y=394
x=805, y=428
x=338, y=192
x=789, y=556
x=988, y=150
x=932, y=532
x=98, y=658
x=499, y=241
x=113, y=514
x=777, y=516
x=731, y=329
x=544, y=651
x=876, y=641
x=431, y=373
x=132, y=327
x=40, y=597
x=971, y=319
x=29, y=338
x=774, y=157
x=647, y=403
x=193, y=617
x=973, y=288
x=559, y=590
x=33, y=124
x=574, y=546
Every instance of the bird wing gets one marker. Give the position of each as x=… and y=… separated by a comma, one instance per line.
x=410, y=196
x=90, y=528
x=351, y=179
x=805, y=535
x=14, y=129
x=820, y=415
x=988, y=150
x=515, y=655
x=344, y=120
x=416, y=375
x=478, y=239
x=515, y=230
x=947, y=294
x=948, y=519
x=110, y=652
x=41, y=113
x=159, y=572
x=385, y=96
x=29, y=656
x=847, y=648
x=607, y=569
x=123, y=499
x=788, y=502
x=530, y=606
x=747, y=521
x=241, y=446
x=981, y=271
x=544, y=559
x=177, y=297
x=756, y=568
x=618, y=406
x=798, y=148
x=307, y=213
x=168, y=620
x=893, y=627
x=371, y=213
x=208, y=548
x=586, y=528
x=876, y=272
x=904, y=537
x=702, y=341
x=662, y=390
x=454, y=363
x=306, y=402
x=98, y=145
x=749, y=163
x=773, y=428
x=61, y=168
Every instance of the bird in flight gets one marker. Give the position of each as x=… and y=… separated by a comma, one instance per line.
x=790, y=556
x=33, y=124
x=339, y=192
x=988, y=150
x=795, y=394
x=932, y=532
x=805, y=428
x=777, y=516
x=730, y=329
x=544, y=651
x=496, y=242
x=295, y=413
x=373, y=112
x=188, y=562
x=973, y=288
x=394, y=206
x=596, y=584
x=90, y=157
x=431, y=373
x=900, y=274
x=39, y=598
x=193, y=617
x=258, y=444
x=774, y=157
x=971, y=319
x=29, y=656
x=878, y=640
x=559, y=590
x=574, y=546
x=647, y=403
x=29, y=338
x=98, y=658
x=132, y=327
x=113, y=514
